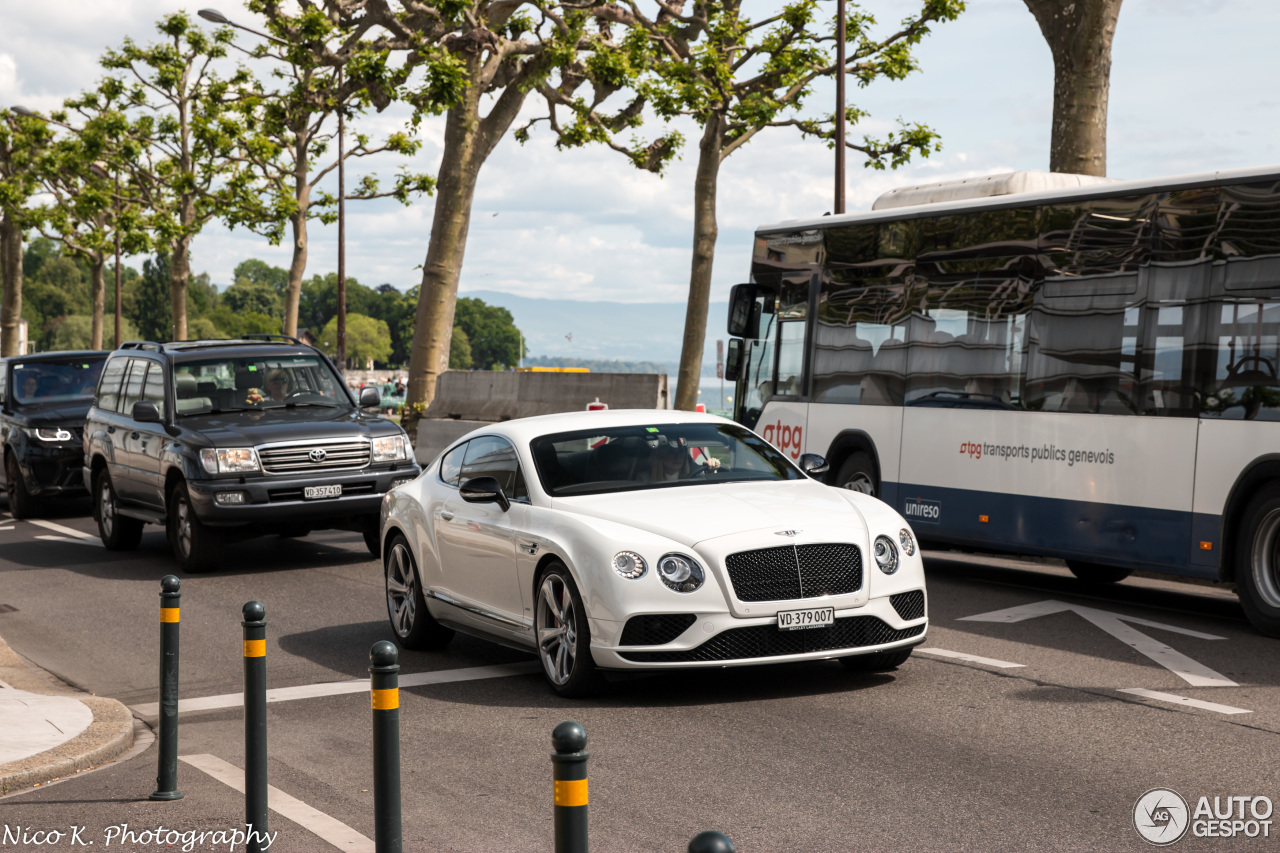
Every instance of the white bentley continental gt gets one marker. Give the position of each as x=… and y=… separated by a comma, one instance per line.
x=652, y=539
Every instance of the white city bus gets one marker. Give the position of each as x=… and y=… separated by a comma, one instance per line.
x=1087, y=372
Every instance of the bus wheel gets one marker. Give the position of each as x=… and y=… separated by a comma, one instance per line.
x=1258, y=561
x=1094, y=573
x=857, y=474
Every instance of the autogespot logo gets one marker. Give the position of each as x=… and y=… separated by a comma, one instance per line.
x=1160, y=816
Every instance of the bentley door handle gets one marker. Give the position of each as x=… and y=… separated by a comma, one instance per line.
x=530, y=548
x=446, y=515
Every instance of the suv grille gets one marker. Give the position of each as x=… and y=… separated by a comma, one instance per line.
x=655, y=630
x=296, y=459
x=765, y=641
x=910, y=605
x=795, y=571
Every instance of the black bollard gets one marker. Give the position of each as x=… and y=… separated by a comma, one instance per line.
x=711, y=842
x=384, y=685
x=569, y=771
x=167, y=740
x=255, y=724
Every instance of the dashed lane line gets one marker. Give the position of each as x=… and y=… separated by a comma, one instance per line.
x=329, y=829
x=1185, y=701
x=947, y=653
x=63, y=529
x=339, y=688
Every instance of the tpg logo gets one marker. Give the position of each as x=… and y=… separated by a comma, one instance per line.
x=788, y=439
x=922, y=510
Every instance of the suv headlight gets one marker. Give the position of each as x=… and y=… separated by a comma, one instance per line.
x=50, y=434
x=681, y=573
x=229, y=460
x=886, y=554
x=391, y=448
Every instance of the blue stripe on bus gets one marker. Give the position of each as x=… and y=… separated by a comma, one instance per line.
x=1133, y=537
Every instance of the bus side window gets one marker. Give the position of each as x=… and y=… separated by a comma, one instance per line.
x=1246, y=336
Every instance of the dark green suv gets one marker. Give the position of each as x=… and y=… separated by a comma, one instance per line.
x=226, y=440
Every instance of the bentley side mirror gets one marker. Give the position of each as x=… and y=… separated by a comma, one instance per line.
x=484, y=490
x=145, y=412
x=813, y=464
x=370, y=397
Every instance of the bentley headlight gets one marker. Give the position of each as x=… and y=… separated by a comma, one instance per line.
x=229, y=460
x=886, y=554
x=908, y=544
x=681, y=573
x=390, y=448
x=629, y=564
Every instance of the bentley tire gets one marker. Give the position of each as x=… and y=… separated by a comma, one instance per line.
x=406, y=608
x=564, y=639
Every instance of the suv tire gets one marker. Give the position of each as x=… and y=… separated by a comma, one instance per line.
x=22, y=504
x=196, y=547
x=117, y=532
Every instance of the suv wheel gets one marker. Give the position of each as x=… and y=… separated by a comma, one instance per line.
x=117, y=532
x=196, y=547
x=21, y=502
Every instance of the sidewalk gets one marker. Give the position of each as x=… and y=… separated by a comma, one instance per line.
x=51, y=730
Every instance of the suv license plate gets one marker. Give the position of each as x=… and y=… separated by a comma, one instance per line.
x=312, y=493
x=799, y=620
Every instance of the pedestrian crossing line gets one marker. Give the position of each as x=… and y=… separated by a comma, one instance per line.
x=1184, y=701
x=340, y=688
x=947, y=653
x=329, y=829
x=62, y=529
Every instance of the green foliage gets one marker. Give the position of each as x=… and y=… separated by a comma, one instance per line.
x=368, y=339
x=491, y=333
x=151, y=300
x=204, y=329
x=58, y=288
x=73, y=333
x=319, y=300
x=248, y=296
x=260, y=272
x=459, y=350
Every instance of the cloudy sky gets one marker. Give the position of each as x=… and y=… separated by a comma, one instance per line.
x=1192, y=89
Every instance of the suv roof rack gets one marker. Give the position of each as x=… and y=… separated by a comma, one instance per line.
x=288, y=339
x=151, y=345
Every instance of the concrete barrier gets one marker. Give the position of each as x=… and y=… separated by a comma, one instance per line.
x=468, y=399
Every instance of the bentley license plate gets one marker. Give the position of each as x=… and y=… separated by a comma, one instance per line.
x=312, y=493
x=799, y=620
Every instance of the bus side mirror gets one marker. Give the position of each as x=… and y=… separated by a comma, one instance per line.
x=742, y=299
x=733, y=360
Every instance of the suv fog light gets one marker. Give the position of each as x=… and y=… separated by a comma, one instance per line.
x=680, y=573
x=229, y=497
x=886, y=554
x=629, y=564
x=908, y=544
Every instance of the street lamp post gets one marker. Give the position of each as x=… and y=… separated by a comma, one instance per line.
x=840, y=58
x=216, y=17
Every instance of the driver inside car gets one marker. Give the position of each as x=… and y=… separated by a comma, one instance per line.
x=670, y=461
x=277, y=388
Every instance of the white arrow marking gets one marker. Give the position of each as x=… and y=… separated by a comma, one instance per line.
x=1194, y=673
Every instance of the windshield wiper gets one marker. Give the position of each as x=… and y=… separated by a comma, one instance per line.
x=320, y=405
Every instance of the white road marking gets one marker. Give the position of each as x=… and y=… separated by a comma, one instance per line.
x=65, y=531
x=1193, y=672
x=329, y=829
x=7, y=528
x=947, y=653
x=339, y=688
x=51, y=538
x=1183, y=700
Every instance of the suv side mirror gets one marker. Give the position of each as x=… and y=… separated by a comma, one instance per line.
x=813, y=464
x=484, y=490
x=370, y=397
x=145, y=412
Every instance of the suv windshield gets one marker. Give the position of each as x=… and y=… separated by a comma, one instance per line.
x=256, y=382
x=626, y=458
x=39, y=383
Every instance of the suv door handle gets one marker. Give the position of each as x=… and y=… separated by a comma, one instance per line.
x=446, y=515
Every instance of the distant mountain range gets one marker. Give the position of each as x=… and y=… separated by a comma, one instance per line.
x=626, y=331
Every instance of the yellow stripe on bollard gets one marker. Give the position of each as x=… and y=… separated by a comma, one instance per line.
x=255, y=648
x=386, y=700
x=571, y=792
x=168, y=614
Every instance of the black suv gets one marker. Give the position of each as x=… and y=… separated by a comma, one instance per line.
x=225, y=440
x=43, y=401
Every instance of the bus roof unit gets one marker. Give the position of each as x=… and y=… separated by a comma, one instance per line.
x=984, y=186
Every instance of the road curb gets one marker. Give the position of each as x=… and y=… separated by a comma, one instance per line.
x=108, y=736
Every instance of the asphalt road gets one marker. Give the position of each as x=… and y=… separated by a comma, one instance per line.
x=1033, y=746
